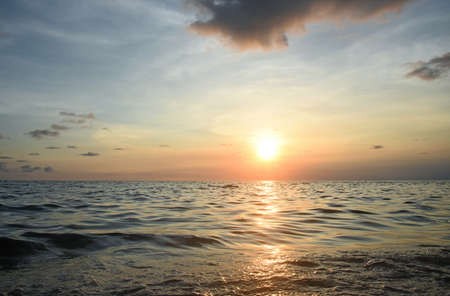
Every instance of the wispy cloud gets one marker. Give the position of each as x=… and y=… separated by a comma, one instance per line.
x=34, y=154
x=263, y=24
x=72, y=147
x=164, y=146
x=377, y=147
x=39, y=133
x=119, y=149
x=48, y=169
x=52, y=148
x=6, y=157
x=21, y=160
x=74, y=121
x=90, y=154
x=59, y=127
x=431, y=70
x=71, y=114
x=30, y=169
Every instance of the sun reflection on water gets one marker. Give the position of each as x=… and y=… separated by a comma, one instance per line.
x=267, y=267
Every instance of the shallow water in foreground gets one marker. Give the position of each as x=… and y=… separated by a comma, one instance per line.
x=207, y=238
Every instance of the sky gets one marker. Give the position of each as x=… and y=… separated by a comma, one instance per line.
x=187, y=90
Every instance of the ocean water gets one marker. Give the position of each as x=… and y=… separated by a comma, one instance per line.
x=210, y=238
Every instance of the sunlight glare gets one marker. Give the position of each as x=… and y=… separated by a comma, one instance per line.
x=267, y=147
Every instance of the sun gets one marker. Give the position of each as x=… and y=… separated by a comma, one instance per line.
x=267, y=147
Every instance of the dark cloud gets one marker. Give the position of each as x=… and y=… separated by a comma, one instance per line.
x=3, y=167
x=71, y=114
x=59, y=127
x=90, y=154
x=5, y=157
x=34, y=154
x=377, y=147
x=21, y=160
x=72, y=147
x=431, y=70
x=52, y=148
x=48, y=169
x=29, y=169
x=119, y=149
x=263, y=24
x=39, y=134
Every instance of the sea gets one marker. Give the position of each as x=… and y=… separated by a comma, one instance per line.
x=225, y=238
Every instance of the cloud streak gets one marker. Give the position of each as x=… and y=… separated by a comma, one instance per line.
x=39, y=133
x=263, y=24
x=29, y=169
x=59, y=127
x=75, y=121
x=71, y=114
x=377, y=147
x=90, y=154
x=433, y=69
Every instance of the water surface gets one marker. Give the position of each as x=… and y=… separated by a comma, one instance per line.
x=209, y=238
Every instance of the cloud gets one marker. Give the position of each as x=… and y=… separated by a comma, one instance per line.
x=263, y=24
x=39, y=134
x=48, y=169
x=59, y=127
x=71, y=114
x=90, y=154
x=106, y=129
x=3, y=167
x=75, y=121
x=377, y=147
x=5, y=157
x=62, y=113
x=52, y=148
x=72, y=147
x=119, y=149
x=3, y=137
x=21, y=160
x=164, y=146
x=431, y=70
x=34, y=154
x=29, y=169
